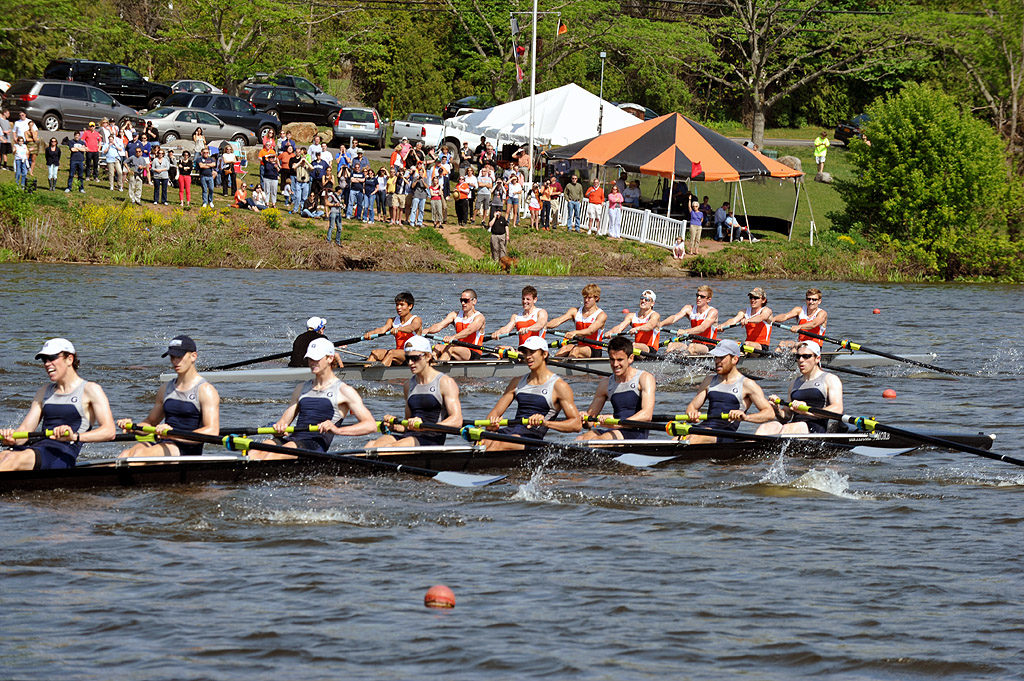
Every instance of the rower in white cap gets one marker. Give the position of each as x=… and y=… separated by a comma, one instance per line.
x=315, y=327
x=68, y=407
x=727, y=391
x=814, y=388
x=429, y=396
x=540, y=396
x=644, y=325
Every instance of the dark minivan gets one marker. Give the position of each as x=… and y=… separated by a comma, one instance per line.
x=120, y=82
x=233, y=110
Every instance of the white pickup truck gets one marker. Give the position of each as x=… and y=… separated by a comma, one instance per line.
x=419, y=127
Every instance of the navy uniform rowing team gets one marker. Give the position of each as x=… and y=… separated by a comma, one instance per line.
x=70, y=410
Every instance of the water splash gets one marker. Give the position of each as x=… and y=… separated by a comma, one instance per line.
x=313, y=517
x=828, y=481
x=533, y=489
x=776, y=473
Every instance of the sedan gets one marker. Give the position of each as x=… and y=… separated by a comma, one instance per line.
x=173, y=124
x=196, y=87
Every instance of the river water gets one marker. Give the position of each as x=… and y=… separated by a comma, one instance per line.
x=850, y=568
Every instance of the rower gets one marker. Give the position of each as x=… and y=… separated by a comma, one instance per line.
x=643, y=325
x=404, y=326
x=813, y=388
x=703, y=318
x=315, y=327
x=810, y=317
x=469, y=328
x=589, y=320
x=539, y=396
x=755, y=319
x=323, y=401
x=630, y=390
x=68, y=407
x=429, y=396
x=186, y=402
x=727, y=391
x=532, y=322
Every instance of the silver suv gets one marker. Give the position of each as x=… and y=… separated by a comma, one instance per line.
x=56, y=104
x=362, y=123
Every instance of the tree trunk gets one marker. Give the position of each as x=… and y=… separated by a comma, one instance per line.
x=757, y=130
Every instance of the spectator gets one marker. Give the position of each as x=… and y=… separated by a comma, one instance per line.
x=34, y=142
x=705, y=207
x=498, y=195
x=185, y=167
x=198, y=143
x=92, y=139
x=137, y=165
x=370, y=191
x=242, y=199
x=285, y=158
x=420, y=191
x=114, y=155
x=312, y=208
x=302, y=174
x=356, y=191
x=615, y=200
x=499, y=229
x=546, y=194
x=574, y=196
x=679, y=250
x=287, y=143
x=720, y=216
x=485, y=183
x=821, y=145
x=206, y=166
x=159, y=166
x=595, y=200
x=398, y=188
x=77, y=167
x=631, y=195
x=6, y=134
x=556, y=195
x=52, y=156
x=515, y=197
x=533, y=205
x=436, y=202
x=259, y=198
x=478, y=152
x=382, y=191
x=463, y=192
x=696, y=224
x=465, y=156
x=334, y=214
x=20, y=162
x=271, y=176
x=319, y=171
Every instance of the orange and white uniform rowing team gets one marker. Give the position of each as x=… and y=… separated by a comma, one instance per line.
x=70, y=410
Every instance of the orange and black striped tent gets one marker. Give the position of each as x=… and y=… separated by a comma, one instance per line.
x=675, y=146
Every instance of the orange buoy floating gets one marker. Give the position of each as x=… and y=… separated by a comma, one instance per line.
x=439, y=596
x=889, y=394
x=876, y=311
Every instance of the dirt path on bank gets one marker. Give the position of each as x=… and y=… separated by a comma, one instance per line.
x=460, y=243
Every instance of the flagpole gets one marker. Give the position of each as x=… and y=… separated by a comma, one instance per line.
x=533, y=95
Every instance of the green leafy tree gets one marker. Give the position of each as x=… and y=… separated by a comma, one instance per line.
x=933, y=183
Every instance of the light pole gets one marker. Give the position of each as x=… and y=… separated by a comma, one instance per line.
x=600, y=112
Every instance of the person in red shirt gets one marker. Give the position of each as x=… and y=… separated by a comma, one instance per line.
x=463, y=191
x=92, y=138
x=595, y=196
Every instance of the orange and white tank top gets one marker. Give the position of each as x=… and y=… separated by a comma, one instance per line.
x=525, y=321
x=402, y=336
x=697, y=318
x=649, y=338
x=462, y=322
x=583, y=322
x=820, y=329
x=757, y=332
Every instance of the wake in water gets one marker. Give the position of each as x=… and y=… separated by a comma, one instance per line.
x=533, y=489
x=827, y=480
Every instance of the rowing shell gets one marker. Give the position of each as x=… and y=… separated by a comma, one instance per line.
x=487, y=368
x=230, y=468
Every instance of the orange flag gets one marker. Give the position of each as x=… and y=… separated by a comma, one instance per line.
x=562, y=28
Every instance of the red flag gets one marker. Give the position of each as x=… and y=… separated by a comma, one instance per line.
x=519, y=74
x=696, y=169
x=562, y=28
x=520, y=50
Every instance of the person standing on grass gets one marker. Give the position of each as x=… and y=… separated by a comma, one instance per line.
x=20, y=162
x=821, y=145
x=485, y=183
x=533, y=205
x=32, y=139
x=92, y=139
x=500, y=234
x=137, y=165
x=595, y=200
x=334, y=215
x=206, y=167
x=370, y=191
x=160, y=166
x=462, y=198
x=185, y=167
x=301, y=178
x=271, y=175
x=227, y=170
x=6, y=133
x=546, y=193
x=696, y=224
x=436, y=203
x=615, y=200
x=77, y=167
x=52, y=155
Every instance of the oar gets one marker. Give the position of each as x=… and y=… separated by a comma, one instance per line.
x=512, y=354
x=598, y=344
x=43, y=434
x=869, y=425
x=282, y=355
x=850, y=345
x=234, y=443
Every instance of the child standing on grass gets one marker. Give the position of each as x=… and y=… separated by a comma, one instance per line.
x=679, y=250
x=534, y=207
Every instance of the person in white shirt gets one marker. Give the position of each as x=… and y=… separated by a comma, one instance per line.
x=485, y=182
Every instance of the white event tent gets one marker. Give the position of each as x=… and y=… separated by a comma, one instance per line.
x=564, y=115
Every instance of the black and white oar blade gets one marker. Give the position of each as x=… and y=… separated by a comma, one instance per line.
x=467, y=479
x=880, y=452
x=642, y=460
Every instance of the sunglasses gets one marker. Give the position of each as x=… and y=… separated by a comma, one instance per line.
x=805, y=355
x=409, y=359
x=701, y=295
x=812, y=300
x=48, y=358
x=465, y=300
x=645, y=299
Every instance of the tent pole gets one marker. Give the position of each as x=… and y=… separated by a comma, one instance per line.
x=743, y=200
x=807, y=197
x=533, y=94
x=671, y=188
x=796, y=204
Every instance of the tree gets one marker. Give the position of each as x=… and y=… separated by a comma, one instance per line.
x=933, y=183
x=769, y=49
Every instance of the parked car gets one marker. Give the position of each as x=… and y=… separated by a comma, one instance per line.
x=850, y=129
x=198, y=87
x=56, y=104
x=292, y=104
x=640, y=111
x=173, y=124
x=419, y=127
x=286, y=80
x=231, y=110
x=120, y=82
x=361, y=123
x=470, y=102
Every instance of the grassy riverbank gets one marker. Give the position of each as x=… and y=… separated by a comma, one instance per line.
x=101, y=227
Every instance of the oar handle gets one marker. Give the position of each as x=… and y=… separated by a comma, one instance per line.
x=637, y=352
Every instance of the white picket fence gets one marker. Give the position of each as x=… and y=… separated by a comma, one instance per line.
x=637, y=225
